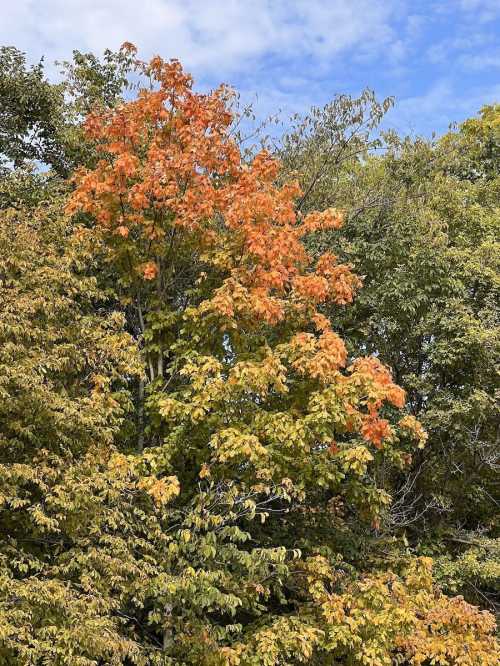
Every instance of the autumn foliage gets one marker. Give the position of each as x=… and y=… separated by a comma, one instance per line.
x=231, y=475
x=171, y=173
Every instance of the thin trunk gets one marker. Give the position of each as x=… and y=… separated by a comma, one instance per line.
x=140, y=417
x=167, y=633
x=160, y=299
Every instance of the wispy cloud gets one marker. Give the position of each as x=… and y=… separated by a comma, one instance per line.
x=479, y=62
x=293, y=53
x=218, y=36
x=439, y=106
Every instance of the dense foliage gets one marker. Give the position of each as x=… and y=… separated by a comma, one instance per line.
x=214, y=369
x=422, y=228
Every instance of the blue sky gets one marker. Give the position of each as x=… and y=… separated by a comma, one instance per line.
x=439, y=58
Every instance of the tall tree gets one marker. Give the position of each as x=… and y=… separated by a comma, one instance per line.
x=251, y=402
x=422, y=228
x=40, y=121
x=65, y=503
x=194, y=467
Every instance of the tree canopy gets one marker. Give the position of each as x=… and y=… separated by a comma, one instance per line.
x=243, y=391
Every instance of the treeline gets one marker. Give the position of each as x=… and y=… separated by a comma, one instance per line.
x=248, y=395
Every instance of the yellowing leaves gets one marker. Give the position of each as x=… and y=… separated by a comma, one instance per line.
x=149, y=270
x=249, y=382
x=162, y=490
x=410, y=424
x=204, y=471
x=380, y=619
x=379, y=381
x=231, y=443
x=320, y=358
x=259, y=377
x=355, y=459
x=121, y=465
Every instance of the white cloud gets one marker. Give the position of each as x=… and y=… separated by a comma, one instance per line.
x=213, y=36
x=441, y=104
x=293, y=53
x=484, y=5
x=479, y=62
x=481, y=11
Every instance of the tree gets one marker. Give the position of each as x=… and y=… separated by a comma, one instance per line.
x=422, y=228
x=251, y=404
x=67, y=503
x=30, y=111
x=41, y=121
